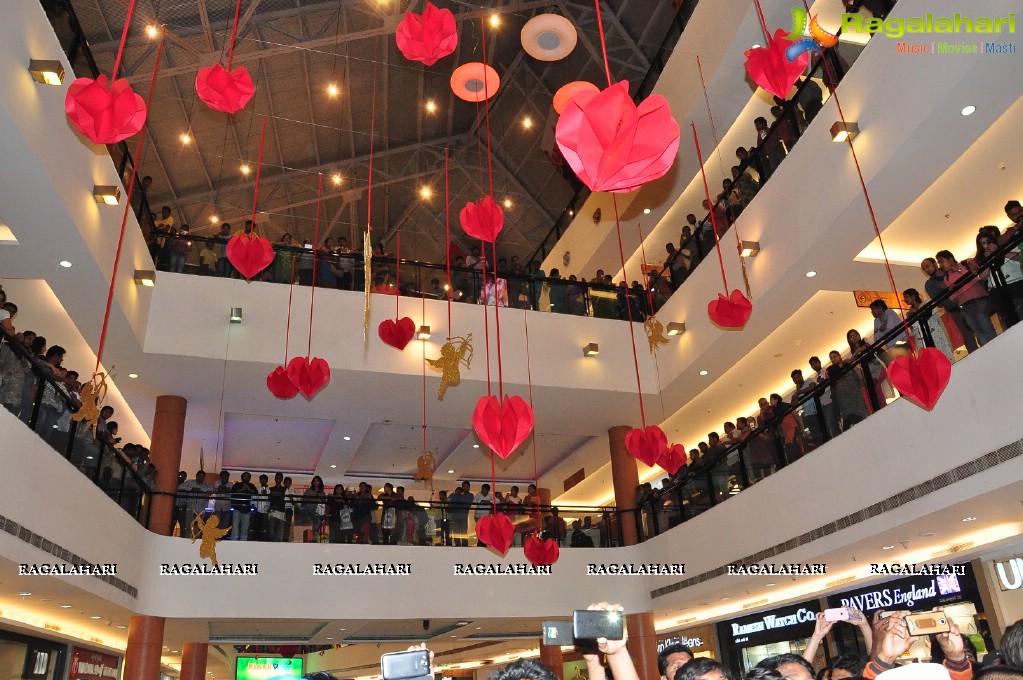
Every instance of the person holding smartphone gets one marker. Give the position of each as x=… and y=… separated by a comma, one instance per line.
x=892, y=640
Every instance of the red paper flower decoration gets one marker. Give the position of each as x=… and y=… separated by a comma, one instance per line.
x=647, y=445
x=106, y=115
x=921, y=379
x=502, y=426
x=613, y=145
x=673, y=459
x=280, y=384
x=730, y=312
x=429, y=36
x=496, y=531
x=483, y=220
x=769, y=68
x=309, y=375
x=223, y=91
x=566, y=93
x=249, y=254
x=541, y=553
x=398, y=333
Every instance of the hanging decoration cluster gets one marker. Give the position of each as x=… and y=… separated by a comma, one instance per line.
x=226, y=89
x=650, y=445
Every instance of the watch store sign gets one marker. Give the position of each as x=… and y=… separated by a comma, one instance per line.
x=1010, y=573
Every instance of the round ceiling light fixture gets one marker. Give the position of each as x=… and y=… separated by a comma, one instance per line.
x=475, y=82
x=549, y=37
x=564, y=96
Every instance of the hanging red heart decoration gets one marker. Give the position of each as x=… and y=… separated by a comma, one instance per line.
x=496, y=531
x=921, y=379
x=771, y=69
x=309, y=375
x=249, y=254
x=673, y=459
x=648, y=445
x=504, y=425
x=483, y=220
x=223, y=91
x=280, y=384
x=613, y=145
x=106, y=115
x=541, y=553
x=730, y=312
x=429, y=36
x=398, y=333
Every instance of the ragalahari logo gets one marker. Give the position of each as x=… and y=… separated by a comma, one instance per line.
x=807, y=35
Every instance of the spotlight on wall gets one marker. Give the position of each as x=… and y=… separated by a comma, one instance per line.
x=46, y=71
x=842, y=132
x=236, y=315
x=676, y=328
x=749, y=248
x=424, y=333
x=107, y=194
x=591, y=350
x=145, y=277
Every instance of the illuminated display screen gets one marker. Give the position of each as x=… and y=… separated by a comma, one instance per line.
x=260, y=668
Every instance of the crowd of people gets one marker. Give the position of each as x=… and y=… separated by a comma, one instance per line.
x=272, y=512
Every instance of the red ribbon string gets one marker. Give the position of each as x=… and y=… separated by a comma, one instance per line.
x=486, y=314
x=316, y=236
x=423, y=297
x=603, y=43
x=124, y=39
x=529, y=379
x=447, y=234
x=372, y=140
x=397, y=276
x=127, y=204
x=291, y=294
x=713, y=220
x=259, y=169
x=642, y=248
x=628, y=309
x=763, y=21
x=234, y=34
x=497, y=323
x=866, y=195
x=486, y=110
x=717, y=144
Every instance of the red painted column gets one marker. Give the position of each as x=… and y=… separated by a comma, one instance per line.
x=625, y=478
x=145, y=647
x=193, y=661
x=550, y=656
x=165, y=453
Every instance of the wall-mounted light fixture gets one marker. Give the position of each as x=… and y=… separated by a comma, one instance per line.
x=591, y=350
x=749, y=248
x=46, y=71
x=676, y=328
x=236, y=315
x=108, y=194
x=145, y=277
x=842, y=132
x=424, y=333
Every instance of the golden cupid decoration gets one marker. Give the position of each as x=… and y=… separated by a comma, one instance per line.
x=210, y=532
x=426, y=464
x=654, y=333
x=92, y=394
x=451, y=359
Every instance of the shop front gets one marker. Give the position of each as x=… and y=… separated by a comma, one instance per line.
x=957, y=593
x=89, y=665
x=31, y=658
x=1001, y=584
x=746, y=641
x=701, y=639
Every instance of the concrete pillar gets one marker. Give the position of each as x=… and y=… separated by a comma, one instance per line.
x=145, y=646
x=625, y=478
x=165, y=454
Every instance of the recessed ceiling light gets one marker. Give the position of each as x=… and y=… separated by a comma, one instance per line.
x=968, y=110
x=475, y=446
x=507, y=203
x=703, y=372
x=451, y=472
x=333, y=467
x=887, y=547
x=65, y=606
x=133, y=375
x=332, y=90
x=454, y=636
x=347, y=439
x=425, y=192
x=969, y=519
x=479, y=627
x=527, y=123
x=571, y=213
x=185, y=138
x=214, y=219
x=342, y=629
x=723, y=599
x=152, y=31
x=495, y=20
x=123, y=627
x=330, y=638
x=926, y=533
x=431, y=106
x=336, y=179
x=95, y=618
x=246, y=169
x=770, y=585
x=646, y=211
x=24, y=593
x=462, y=623
x=64, y=263
x=810, y=274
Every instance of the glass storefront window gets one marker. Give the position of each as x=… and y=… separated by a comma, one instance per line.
x=12, y=659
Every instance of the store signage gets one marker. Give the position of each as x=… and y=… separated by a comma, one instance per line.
x=1010, y=573
x=787, y=623
x=691, y=642
x=89, y=665
x=918, y=592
